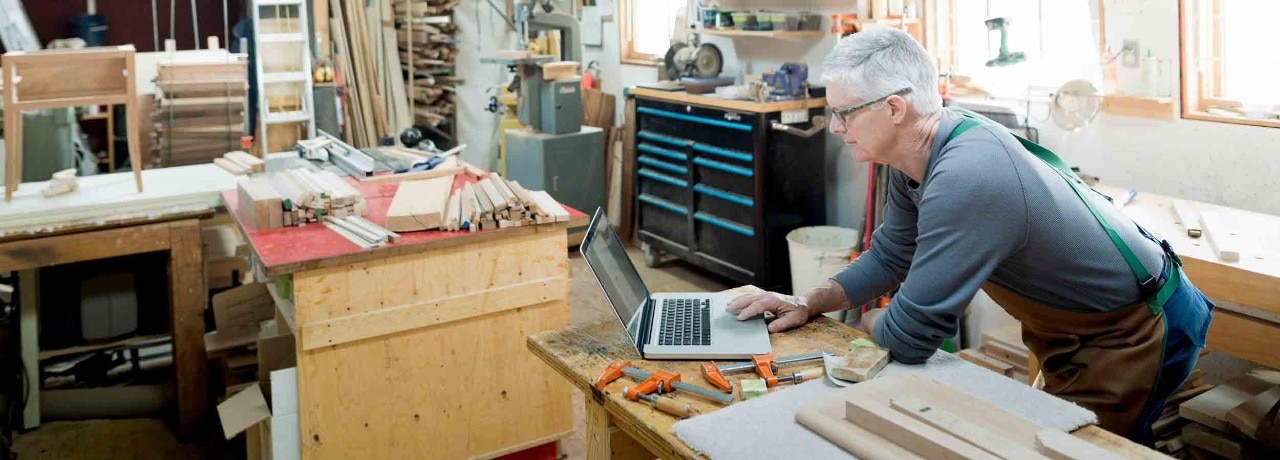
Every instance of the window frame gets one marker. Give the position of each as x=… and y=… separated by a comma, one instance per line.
x=1195, y=105
x=626, y=43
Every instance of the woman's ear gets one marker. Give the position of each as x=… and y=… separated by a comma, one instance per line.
x=897, y=108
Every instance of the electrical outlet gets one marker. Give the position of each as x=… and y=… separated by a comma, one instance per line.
x=791, y=117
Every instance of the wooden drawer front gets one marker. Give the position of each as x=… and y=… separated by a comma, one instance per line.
x=725, y=240
x=658, y=184
x=732, y=206
x=724, y=175
x=730, y=130
x=664, y=218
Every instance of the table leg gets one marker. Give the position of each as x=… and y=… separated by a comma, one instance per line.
x=597, y=430
x=29, y=318
x=187, y=302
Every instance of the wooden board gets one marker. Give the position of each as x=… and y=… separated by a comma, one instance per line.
x=242, y=308
x=1245, y=337
x=389, y=392
x=977, y=357
x=1061, y=446
x=681, y=97
x=419, y=205
x=1257, y=412
x=1210, y=409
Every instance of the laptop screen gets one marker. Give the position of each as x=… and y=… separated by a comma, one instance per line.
x=608, y=260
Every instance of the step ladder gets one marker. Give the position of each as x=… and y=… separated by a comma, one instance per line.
x=283, y=68
x=15, y=27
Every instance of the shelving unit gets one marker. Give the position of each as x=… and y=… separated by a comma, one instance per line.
x=1139, y=106
x=763, y=33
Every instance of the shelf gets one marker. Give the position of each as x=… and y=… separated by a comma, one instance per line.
x=131, y=342
x=1139, y=106
x=763, y=33
x=893, y=22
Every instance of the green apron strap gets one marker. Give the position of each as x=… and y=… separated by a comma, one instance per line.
x=1140, y=272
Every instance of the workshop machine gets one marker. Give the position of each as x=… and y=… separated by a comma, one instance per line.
x=695, y=65
x=553, y=151
x=1005, y=57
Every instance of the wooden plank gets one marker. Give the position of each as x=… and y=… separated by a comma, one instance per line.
x=79, y=247
x=428, y=314
x=399, y=410
x=1061, y=446
x=1213, y=441
x=1245, y=337
x=253, y=162
x=1210, y=409
x=977, y=357
x=260, y=204
x=419, y=205
x=1185, y=214
x=681, y=97
x=1221, y=235
x=187, y=300
x=969, y=432
x=1256, y=412
x=599, y=438
x=902, y=430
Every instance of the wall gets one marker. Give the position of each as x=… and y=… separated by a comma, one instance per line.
x=129, y=21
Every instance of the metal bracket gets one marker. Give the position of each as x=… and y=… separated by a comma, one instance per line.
x=819, y=124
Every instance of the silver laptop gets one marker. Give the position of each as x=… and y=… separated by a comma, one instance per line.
x=668, y=325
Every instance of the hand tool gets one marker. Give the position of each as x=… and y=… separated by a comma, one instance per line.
x=431, y=163
x=660, y=382
x=668, y=405
x=765, y=366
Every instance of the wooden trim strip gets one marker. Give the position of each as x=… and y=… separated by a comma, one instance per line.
x=1244, y=337
x=78, y=247
x=431, y=313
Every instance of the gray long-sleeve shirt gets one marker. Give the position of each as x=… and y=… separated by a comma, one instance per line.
x=987, y=210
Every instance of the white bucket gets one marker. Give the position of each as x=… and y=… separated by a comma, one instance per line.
x=816, y=253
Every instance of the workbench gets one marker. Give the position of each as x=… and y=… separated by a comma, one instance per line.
x=107, y=217
x=580, y=352
x=1246, y=323
x=415, y=349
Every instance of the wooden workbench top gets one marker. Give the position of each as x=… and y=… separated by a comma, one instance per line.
x=682, y=97
x=580, y=352
x=292, y=249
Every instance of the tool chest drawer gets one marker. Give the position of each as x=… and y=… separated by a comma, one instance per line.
x=725, y=240
x=655, y=183
x=663, y=218
x=719, y=183
x=721, y=128
x=731, y=206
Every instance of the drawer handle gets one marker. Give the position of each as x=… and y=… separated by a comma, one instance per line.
x=659, y=151
x=662, y=178
x=741, y=156
x=644, y=160
x=730, y=226
x=664, y=204
x=669, y=140
x=731, y=169
x=695, y=119
x=727, y=196
x=819, y=124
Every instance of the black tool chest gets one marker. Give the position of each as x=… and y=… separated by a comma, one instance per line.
x=720, y=187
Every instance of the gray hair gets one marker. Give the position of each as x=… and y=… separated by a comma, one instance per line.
x=879, y=61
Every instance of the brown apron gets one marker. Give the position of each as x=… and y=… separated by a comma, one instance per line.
x=1108, y=363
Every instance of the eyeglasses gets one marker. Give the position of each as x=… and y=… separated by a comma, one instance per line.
x=844, y=114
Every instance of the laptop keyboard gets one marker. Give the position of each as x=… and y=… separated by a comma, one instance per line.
x=685, y=322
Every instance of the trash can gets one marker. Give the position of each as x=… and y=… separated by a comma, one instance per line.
x=816, y=253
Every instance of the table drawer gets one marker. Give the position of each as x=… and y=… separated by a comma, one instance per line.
x=673, y=189
x=726, y=176
x=663, y=218
x=732, y=206
x=725, y=240
x=726, y=129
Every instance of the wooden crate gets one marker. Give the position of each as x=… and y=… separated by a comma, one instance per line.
x=423, y=355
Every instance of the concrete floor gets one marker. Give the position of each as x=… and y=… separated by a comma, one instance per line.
x=150, y=438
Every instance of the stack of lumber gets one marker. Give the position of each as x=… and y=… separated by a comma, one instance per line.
x=296, y=197
x=1167, y=428
x=199, y=110
x=1235, y=420
x=367, y=63
x=428, y=50
x=914, y=416
x=488, y=203
x=240, y=163
x=1002, y=351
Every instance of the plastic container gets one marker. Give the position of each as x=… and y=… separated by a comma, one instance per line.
x=751, y=22
x=740, y=20
x=779, y=21
x=816, y=253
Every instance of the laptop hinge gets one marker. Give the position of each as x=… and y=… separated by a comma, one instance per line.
x=645, y=324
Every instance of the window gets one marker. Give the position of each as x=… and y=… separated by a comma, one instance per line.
x=1057, y=38
x=1228, y=62
x=646, y=28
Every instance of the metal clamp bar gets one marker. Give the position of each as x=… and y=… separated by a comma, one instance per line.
x=819, y=124
x=728, y=368
x=640, y=375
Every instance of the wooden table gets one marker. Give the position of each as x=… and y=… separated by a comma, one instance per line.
x=177, y=233
x=579, y=353
x=415, y=349
x=1246, y=323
